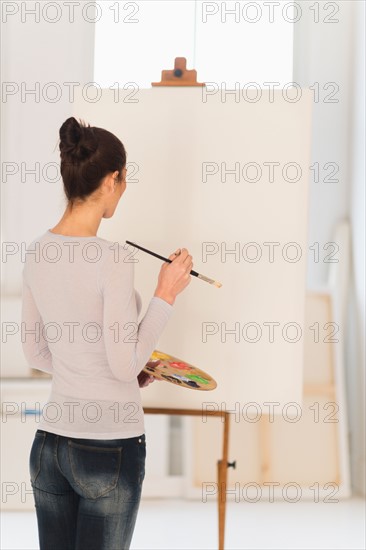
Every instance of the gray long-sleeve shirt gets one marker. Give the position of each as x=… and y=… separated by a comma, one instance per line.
x=80, y=324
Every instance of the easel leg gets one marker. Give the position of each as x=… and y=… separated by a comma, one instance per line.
x=222, y=466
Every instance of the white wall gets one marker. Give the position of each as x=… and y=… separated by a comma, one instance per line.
x=37, y=52
x=323, y=53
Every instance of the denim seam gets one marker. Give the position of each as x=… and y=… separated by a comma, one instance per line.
x=56, y=457
x=40, y=457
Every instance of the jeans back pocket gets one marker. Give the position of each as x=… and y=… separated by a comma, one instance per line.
x=95, y=469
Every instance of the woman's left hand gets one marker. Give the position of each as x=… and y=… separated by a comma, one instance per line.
x=144, y=379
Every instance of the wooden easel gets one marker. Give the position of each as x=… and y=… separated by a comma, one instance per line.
x=180, y=76
x=222, y=465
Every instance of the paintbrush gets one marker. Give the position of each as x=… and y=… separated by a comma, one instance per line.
x=192, y=272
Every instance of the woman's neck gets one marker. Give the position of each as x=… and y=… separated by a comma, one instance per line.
x=80, y=221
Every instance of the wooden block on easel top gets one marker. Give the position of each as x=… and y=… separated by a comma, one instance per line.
x=179, y=76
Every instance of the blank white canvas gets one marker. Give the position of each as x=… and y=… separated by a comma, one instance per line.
x=169, y=135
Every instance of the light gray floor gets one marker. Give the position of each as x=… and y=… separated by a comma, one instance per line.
x=181, y=524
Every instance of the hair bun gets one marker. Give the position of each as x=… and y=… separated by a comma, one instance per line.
x=77, y=140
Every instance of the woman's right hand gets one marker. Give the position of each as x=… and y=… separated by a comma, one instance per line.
x=174, y=276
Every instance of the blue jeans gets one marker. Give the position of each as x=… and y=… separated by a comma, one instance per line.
x=86, y=491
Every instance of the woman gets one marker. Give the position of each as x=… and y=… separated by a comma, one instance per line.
x=79, y=313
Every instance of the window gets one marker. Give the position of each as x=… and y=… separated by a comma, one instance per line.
x=226, y=42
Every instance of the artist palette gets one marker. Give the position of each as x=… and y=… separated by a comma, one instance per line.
x=171, y=369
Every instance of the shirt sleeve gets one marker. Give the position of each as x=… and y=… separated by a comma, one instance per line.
x=35, y=347
x=129, y=344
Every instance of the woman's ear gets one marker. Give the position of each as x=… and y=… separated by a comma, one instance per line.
x=109, y=183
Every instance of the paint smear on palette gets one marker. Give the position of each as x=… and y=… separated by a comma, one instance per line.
x=180, y=365
x=198, y=378
x=160, y=355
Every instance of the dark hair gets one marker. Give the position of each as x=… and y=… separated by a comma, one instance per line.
x=87, y=154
